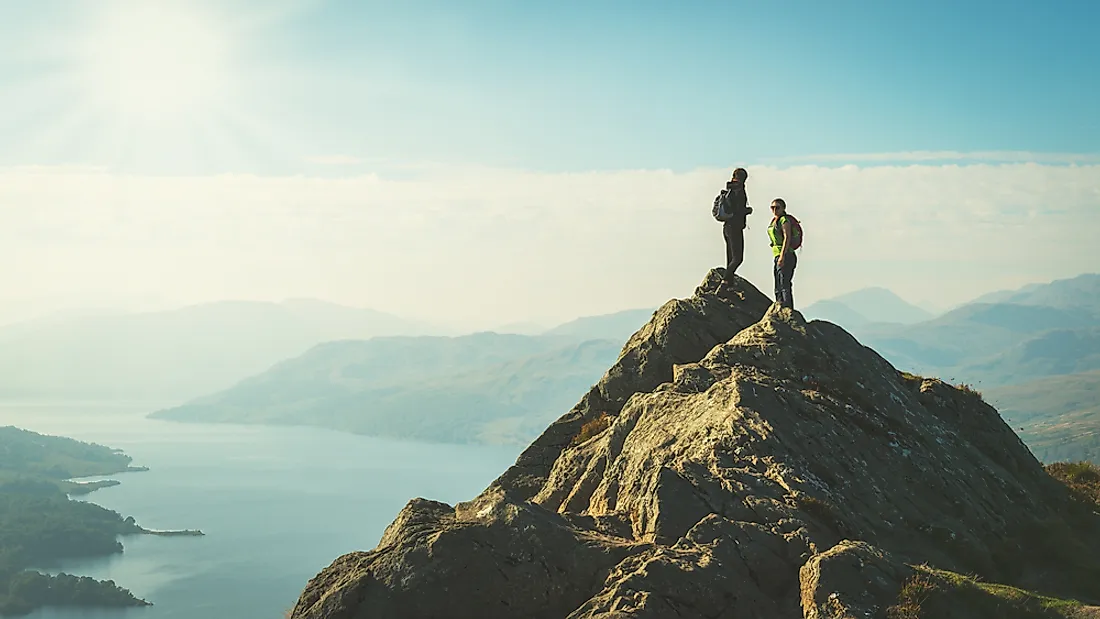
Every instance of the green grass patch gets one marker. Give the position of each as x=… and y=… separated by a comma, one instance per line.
x=1082, y=479
x=1081, y=472
x=969, y=389
x=939, y=594
x=592, y=428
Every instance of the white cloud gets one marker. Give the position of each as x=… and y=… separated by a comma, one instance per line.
x=926, y=156
x=493, y=245
x=335, y=160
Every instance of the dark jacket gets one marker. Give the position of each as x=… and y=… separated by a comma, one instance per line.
x=736, y=204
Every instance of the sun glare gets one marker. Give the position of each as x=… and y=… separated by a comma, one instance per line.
x=156, y=62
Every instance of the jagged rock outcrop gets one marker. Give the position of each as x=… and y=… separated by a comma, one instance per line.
x=755, y=466
x=852, y=580
x=681, y=331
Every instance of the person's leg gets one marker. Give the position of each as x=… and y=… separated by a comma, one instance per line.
x=786, y=277
x=737, y=243
x=778, y=281
x=735, y=249
x=729, y=249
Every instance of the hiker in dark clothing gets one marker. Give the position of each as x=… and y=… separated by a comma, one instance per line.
x=785, y=234
x=731, y=208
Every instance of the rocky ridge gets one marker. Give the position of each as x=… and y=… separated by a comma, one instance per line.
x=755, y=465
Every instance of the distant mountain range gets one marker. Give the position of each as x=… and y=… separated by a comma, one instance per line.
x=489, y=387
x=365, y=371
x=485, y=387
x=618, y=326
x=963, y=343
x=1081, y=292
x=1001, y=338
x=1034, y=350
x=1051, y=353
x=193, y=351
x=868, y=305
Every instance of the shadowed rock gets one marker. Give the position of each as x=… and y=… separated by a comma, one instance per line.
x=852, y=580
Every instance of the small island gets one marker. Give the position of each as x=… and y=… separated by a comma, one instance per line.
x=40, y=525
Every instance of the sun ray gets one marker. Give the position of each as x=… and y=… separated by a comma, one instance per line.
x=158, y=86
x=156, y=62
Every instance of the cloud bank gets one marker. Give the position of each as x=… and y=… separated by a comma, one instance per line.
x=943, y=156
x=484, y=246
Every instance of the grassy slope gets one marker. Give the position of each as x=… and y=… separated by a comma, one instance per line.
x=938, y=594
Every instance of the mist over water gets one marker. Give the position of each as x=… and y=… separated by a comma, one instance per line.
x=277, y=504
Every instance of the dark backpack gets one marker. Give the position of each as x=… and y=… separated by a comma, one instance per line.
x=719, y=208
x=722, y=210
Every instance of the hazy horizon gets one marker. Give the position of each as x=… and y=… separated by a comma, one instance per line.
x=9, y=318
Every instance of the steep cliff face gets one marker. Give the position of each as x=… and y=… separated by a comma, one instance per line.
x=755, y=465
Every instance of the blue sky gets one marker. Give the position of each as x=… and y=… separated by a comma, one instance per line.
x=182, y=151
x=609, y=85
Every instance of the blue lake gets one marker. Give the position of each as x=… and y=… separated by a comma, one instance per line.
x=277, y=504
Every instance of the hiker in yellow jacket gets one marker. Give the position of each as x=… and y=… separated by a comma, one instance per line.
x=785, y=233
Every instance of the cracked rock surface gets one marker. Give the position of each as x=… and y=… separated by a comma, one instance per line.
x=755, y=466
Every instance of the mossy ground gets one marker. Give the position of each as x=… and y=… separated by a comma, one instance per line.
x=938, y=594
x=592, y=428
x=970, y=389
x=1082, y=479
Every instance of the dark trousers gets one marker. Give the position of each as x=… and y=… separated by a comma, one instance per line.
x=734, y=232
x=783, y=276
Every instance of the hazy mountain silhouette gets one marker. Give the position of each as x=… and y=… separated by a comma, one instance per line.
x=1081, y=292
x=1032, y=349
x=522, y=327
x=836, y=312
x=485, y=387
x=867, y=306
x=617, y=326
x=969, y=335
x=1052, y=353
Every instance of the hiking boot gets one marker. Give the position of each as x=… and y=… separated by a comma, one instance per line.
x=726, y=290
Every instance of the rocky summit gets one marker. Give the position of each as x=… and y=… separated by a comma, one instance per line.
x=736, y=461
